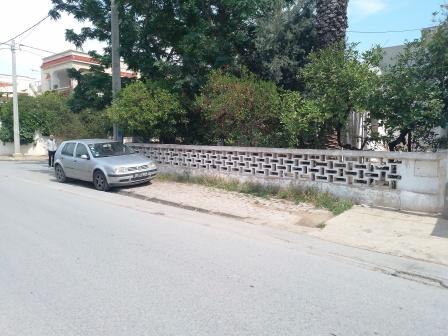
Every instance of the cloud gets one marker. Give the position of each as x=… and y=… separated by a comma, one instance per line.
x=364, y=8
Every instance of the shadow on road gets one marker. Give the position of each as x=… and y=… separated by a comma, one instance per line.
x=39, y=167
x=441, y=229
x=42, y=168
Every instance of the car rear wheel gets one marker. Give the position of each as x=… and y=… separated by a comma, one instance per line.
x=60, y=174
x=100, y=181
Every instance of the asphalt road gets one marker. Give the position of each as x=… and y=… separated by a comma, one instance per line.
x=74, y=261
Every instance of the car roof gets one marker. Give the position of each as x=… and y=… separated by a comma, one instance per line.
x=91, y=141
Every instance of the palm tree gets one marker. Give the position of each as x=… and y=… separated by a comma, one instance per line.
x=331, y=21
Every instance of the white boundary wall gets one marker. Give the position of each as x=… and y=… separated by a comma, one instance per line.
x=400, y=180
x=36, y=148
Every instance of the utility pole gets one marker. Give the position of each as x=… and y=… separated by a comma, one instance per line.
x=15, y=102
x=116, y=68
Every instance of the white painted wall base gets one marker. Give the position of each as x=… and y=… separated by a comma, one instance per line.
x=36, y=148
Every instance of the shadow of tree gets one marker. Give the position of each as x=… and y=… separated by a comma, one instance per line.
x=440, y=229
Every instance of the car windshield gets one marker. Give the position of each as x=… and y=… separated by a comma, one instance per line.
x=109, y=149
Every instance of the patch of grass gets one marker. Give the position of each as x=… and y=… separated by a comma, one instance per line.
x=321, y=226
x=297, y=195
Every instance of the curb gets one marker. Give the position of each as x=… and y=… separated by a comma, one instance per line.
x=24, y=158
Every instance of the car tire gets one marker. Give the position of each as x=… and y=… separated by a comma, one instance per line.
x=60, y=174
x=100, y=182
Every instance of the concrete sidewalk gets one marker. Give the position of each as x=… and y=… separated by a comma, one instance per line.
x=414, y=235
x=23, y=158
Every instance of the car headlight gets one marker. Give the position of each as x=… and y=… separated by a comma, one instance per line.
x=152, y=166
x=120, y=170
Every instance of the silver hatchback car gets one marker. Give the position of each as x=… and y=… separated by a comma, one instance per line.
x=106, y=163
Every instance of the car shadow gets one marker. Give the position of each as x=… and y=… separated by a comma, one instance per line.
x=117, y=189
x=39, y=167
x=42, y=168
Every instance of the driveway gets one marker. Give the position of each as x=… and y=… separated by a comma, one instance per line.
x=74, y=261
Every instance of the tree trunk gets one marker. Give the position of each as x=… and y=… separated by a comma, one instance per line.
x=401, y=139
x=340, y=143
x=410, y=142
x=332, y=21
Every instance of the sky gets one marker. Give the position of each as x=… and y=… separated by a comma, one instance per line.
x=364, y=15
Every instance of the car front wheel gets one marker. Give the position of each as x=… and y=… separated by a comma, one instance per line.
x=100, y=181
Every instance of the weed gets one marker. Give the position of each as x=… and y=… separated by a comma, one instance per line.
x=297, y=195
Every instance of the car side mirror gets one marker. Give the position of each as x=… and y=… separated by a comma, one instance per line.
x=85, y=157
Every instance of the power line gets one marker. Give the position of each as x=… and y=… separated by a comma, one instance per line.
x=25, y=36
x=30, y=52
x=383, y=32
x=39, y=49
x=26, y=30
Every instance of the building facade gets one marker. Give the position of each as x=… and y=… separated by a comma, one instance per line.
x=54, y=75
x=25, y=85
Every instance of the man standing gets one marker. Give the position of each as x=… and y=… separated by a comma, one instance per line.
x=51, y=146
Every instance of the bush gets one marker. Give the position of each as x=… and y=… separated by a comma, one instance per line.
x=144, y=109
x=49, y=114
x=36, y=114
x=242, y=111
x=96, y=124
x=302, y=121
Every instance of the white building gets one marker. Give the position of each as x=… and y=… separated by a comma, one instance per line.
x=25, y=85
x=54, y=70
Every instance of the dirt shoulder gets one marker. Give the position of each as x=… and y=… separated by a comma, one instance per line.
x=256, y=210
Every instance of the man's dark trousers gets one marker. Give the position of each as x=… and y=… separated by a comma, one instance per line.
x=51, y=158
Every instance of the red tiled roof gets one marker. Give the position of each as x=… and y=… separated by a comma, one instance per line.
x=69, y=58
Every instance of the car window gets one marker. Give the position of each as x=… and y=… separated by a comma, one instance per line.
x=68, y=149
x=109, y=149
x=81, y=150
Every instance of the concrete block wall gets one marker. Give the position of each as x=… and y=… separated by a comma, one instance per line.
x=407, y=181
x=36, y=148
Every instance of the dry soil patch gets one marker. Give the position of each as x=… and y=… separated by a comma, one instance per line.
x=255, y=210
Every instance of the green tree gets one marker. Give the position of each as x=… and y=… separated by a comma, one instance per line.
x=303, y=121
x=144, y=109
x=409, y=101
x=93, y=90
x=241, y=111
x=176, y=40
x=436, y=44
x=339, y=81
x=284, y=37
x=96, y=124
x=49, y=114
x=46, y=114
x=30, y=120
